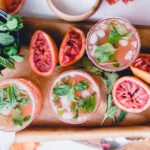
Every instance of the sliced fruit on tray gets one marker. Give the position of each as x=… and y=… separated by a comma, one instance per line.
x=74, y=96
x=43, y=56
x=11, y=6
x=131, y=94
x=21, y=102
x=141, y=67
x=72, y=47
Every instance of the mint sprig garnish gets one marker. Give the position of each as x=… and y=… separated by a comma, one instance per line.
x=85, y=105
x=18, y=118
x=106, y=52
x=69, y=90
x=15, y=99
x=81, y=86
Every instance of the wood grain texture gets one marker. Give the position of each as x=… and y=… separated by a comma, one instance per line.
x=46, y=119
x=46, y=134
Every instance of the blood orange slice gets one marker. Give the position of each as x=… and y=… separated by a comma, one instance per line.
x=72, y=47
x=141, y=67
x=43, y=54
x=12, y=6
x=131, y=94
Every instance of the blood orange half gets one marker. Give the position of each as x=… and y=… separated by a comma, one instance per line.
x=72, y=47
x=12, y=6
x=43, y=55
x=141, y=67
x=131, y=94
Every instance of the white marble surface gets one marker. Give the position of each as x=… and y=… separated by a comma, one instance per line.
x=138, y=12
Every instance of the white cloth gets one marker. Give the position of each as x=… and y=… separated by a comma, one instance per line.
x=6, y=140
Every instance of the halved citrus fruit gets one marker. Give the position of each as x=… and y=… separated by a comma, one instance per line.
x=72, y=47
x=11, y=6
x=43, y=56
x=141, y=67
x=131, y=94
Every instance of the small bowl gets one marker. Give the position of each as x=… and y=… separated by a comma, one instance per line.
x=72, y=14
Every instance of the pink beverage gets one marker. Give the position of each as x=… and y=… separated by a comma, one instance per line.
x=21, y=102
x=74, y=96
x=113, y=44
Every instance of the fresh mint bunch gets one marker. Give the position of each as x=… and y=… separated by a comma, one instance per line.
x=8, y=43
x=106, y=52
x=14, y=23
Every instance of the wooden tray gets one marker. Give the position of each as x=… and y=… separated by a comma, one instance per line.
x=46, y=126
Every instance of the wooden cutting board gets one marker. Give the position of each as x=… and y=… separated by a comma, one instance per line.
x=46, y=125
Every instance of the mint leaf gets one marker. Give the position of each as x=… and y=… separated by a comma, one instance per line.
x=6, y=39
x=8, y=63
x=86, y=64
x=113, y=37
x=26, y=118
x=71, y=94
x=110, y=26
x=12, y=24
x=2, y=94
x=66, y=80
x=17, y=121
x=90, y=104
x=18, y=112
x=11, y=50
x=112, y=111
x=23, y=101
x=128, y=36
x=76, y=114
x=116, y=64
x=73, y=106
x=108, y=102
x=104, y=52
x=81, y=104
x=62, y=90
x=17, y=58
x=122, y=115
x=109, y=79
x=12, y=95
x=82, y=86
x=121, y=29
